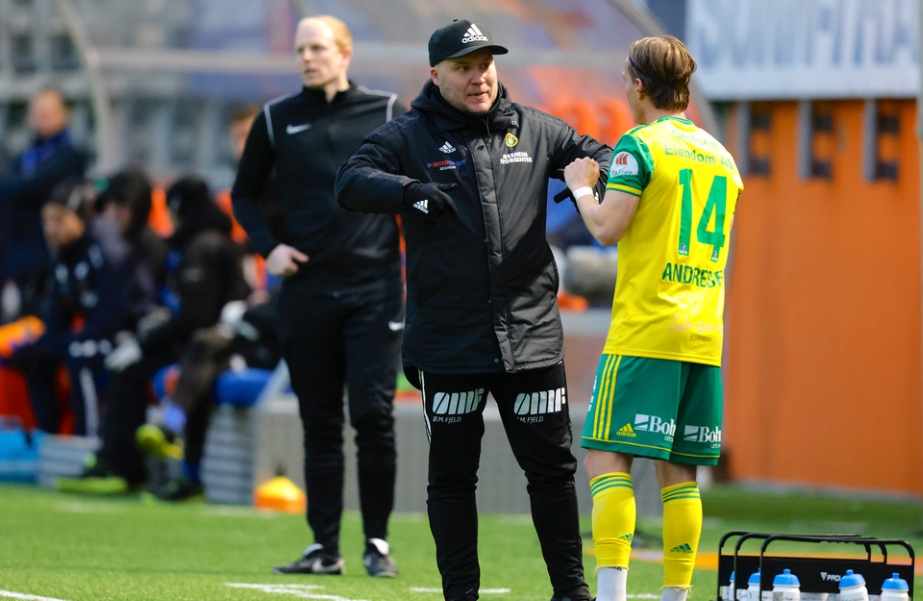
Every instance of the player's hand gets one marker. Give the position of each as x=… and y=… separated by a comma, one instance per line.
x=430, y=200
x=284, y=260
x=581, y=173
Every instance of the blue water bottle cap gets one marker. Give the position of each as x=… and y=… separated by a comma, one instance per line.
x=732, y=576
x=786, y=577
x=851, y=579
x=754, y=577
x=895, y=583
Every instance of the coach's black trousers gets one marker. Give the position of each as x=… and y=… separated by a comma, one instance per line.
x=533, y=408
x=351, y=339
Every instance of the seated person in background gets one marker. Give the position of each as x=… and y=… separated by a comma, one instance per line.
x=126, y=200
x=92, y=293
x=207, y=277
x=246, y=337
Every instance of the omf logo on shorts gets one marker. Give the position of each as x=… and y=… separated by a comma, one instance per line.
x=457, y=403
x=652, y=423
x=701, y=434
x=541, y=402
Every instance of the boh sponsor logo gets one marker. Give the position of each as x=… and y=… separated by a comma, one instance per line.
x=653, y=423
x=702, y=434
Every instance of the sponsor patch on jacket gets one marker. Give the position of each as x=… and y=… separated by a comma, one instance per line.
x=443, y=165
x=624, y=163
x=515, y=157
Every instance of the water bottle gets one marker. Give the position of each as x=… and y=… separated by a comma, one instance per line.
x=753, y=589
x=895, y=589
x=852, y=587
x=729, y=593
x=786, y=587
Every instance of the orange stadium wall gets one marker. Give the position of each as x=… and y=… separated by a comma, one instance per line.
x=823, y=349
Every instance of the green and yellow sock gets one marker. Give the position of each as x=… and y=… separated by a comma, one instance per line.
x=682, y=527
x=613, y=519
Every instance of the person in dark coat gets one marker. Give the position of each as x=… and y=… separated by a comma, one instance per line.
x=467, y=168
x=52, y=159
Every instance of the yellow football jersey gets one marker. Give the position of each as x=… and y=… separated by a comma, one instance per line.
x=669, y=296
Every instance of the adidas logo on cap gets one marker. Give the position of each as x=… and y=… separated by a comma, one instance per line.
x=422, y=206
x=447, y=148
x=474, y=35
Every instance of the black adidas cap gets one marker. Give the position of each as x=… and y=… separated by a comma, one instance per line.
x=458, y=38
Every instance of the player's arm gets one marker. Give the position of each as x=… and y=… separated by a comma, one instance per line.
x=607, y=221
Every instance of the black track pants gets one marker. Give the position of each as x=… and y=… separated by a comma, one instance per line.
x=350, y=339
x=533, y=407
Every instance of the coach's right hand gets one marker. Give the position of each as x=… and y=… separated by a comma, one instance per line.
x=283, y=260
x=430, y=200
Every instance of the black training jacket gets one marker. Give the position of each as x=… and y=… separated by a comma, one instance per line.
x=482, y=288
x=306, y=139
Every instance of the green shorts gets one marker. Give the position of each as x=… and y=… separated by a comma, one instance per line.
x=656, y=408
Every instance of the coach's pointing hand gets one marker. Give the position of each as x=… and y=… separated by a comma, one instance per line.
x=284, y=260
x=430, y=199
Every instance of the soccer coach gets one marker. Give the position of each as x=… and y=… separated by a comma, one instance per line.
x=468, y=170
x=341, y=307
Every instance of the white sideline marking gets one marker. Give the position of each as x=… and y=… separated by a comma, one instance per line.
x=643, y=596
x=226, y=511
x=83, y=507
x=298, y=590
x=483, y=591
x=12, y=595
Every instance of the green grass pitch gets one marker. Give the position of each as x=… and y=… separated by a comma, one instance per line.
x=75, y=548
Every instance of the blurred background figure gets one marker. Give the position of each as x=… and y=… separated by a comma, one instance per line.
x=126, y=201
x=92, y=293
x=51, y=159
x=207, y=276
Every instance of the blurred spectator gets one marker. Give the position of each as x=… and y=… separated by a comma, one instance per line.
x=91, y=295
x=207, y=276
x=50, y=160
x=126, y=200
x=250, y=339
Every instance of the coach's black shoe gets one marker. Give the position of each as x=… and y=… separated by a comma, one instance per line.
x=377, y=561
x=314, y=561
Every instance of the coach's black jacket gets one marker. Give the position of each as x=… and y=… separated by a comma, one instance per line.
x=306, y=139
x=481, y=288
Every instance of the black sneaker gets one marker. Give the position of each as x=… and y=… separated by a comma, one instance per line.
x=314, y=561
x=377, y=561
x=181, y=489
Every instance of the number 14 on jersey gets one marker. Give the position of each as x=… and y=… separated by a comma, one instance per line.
x=714, y=206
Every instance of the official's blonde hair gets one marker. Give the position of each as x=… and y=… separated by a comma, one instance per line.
x=341, y=34
x=664, y=66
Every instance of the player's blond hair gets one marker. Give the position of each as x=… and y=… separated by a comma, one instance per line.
x=664, y=66
x=341, y=34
